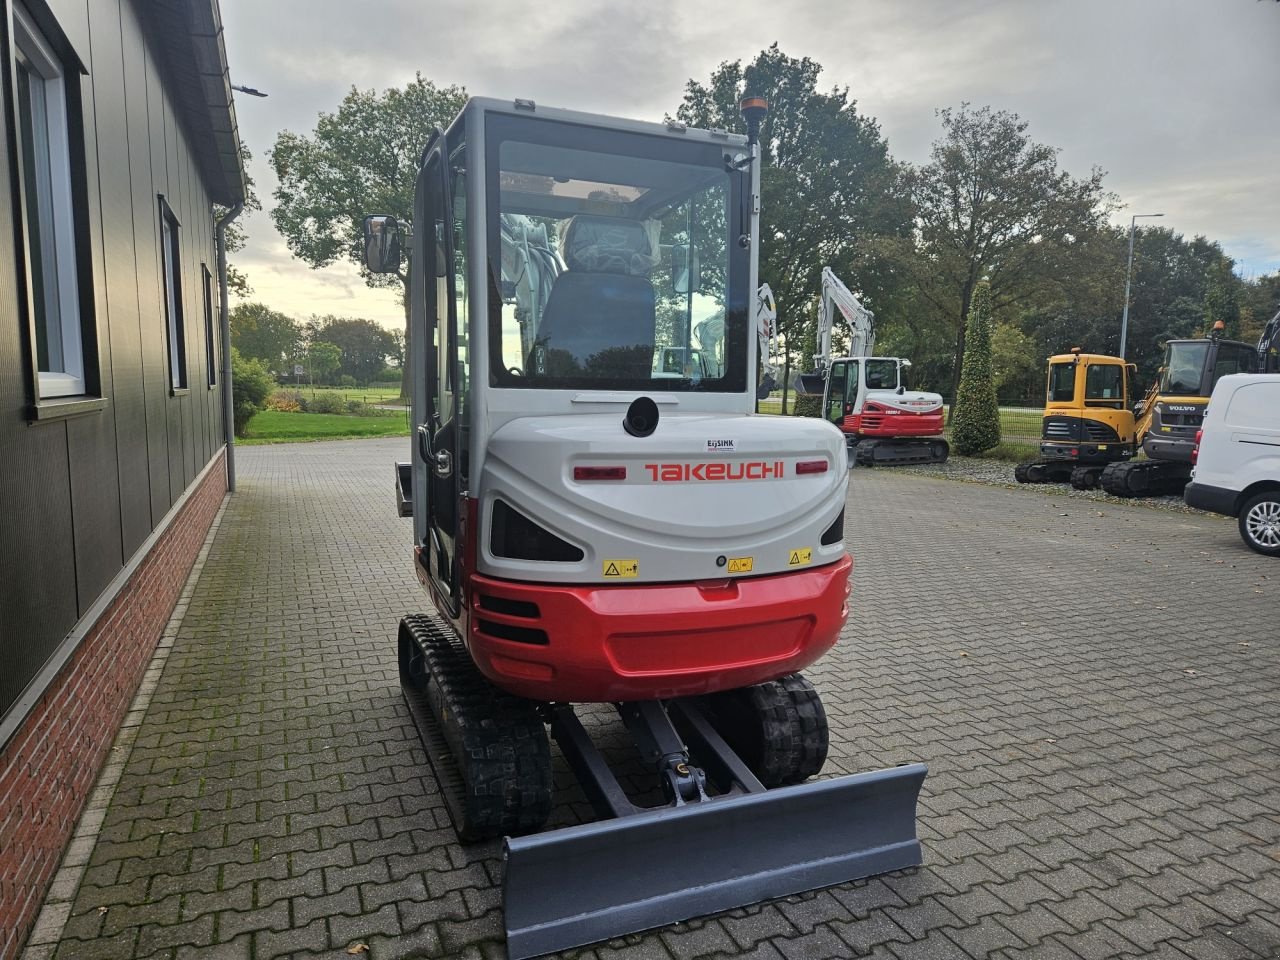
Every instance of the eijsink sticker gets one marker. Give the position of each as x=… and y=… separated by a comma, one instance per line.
x=722, y=446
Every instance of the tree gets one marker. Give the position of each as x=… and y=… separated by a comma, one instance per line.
x=364, y=346
x=976, y=421
x=323, y=361
x=992, y=203
x=363, y=159
x=237, y=282
x=829, y=188
x=261, y=333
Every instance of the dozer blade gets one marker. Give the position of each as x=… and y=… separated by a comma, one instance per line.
x=586, y=883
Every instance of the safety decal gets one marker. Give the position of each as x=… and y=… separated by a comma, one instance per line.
x=741, y=564
x=800, y=558
x=722, y=446
x=623, y=569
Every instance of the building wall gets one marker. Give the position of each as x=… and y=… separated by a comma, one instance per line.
x=79, y=495
x=47, y=770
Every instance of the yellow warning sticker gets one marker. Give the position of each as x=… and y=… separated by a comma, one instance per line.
x=741, y=564
x=624, y=569
x=800, y=558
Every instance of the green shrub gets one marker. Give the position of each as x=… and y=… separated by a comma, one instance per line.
x=252, y=383
x=807, y=405
x=329, y=401
x=976, y=419
x=346, y=380
x=358, y=408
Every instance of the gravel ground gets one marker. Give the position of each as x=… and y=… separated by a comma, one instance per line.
x=999, y=473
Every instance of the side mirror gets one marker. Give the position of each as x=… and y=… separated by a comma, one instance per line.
x=906, y=363
x=381, y=244
x=686, y=270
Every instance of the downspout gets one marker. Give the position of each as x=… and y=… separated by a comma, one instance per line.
x=224, y=323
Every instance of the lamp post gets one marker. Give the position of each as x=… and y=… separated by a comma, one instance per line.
x=1128, y=279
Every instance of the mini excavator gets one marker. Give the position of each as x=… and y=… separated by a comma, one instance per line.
x=600, y=518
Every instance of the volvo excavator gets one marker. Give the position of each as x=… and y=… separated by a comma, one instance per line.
x=1091, y=434
x=600, y=517
x=866, y=396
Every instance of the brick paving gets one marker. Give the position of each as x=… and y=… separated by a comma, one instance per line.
x=1093, y=688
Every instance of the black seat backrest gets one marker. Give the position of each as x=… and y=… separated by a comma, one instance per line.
x=599, y=318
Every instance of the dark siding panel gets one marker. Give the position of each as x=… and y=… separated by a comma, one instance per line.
x=191, y=433
x=117, y=156
x=163, y=129
x=91, y=440
x=150, y=179
x=37, y=568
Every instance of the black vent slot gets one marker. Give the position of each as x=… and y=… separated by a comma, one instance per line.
x=516, y=537
x=1100, y=432
x=835, y=532
x=1061, y=428
x=505, y=631
x=512, y=608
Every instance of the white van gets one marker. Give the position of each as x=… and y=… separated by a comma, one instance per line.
x=1237, y=458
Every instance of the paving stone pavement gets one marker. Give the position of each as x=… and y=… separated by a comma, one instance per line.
x=1094, y=690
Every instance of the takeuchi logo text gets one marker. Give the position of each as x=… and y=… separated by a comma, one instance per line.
x=686, y=472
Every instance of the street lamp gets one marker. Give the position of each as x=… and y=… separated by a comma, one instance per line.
x=1128, y=278
x=251, y=91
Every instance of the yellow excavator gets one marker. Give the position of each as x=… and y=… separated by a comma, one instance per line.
x=1088, y=421
x=1091, y=435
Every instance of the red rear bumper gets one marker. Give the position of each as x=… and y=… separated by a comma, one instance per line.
x=872, y=424
x=607, y=643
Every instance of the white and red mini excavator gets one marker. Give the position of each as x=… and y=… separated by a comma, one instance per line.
x=600, y=517
x=866, y=396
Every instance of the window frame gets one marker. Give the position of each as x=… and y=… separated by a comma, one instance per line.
x=64, y=207
x=171, y=283
x=210, y=328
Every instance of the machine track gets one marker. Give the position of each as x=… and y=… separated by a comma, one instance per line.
x=1145, y=478
x=1086, y=477
x=779, y=728
x=489, y=749
x=892, y=453
x=1044, y=471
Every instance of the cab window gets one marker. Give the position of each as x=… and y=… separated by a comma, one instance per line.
x=1233, y=359
x=1062, y=382
x=1104, y=385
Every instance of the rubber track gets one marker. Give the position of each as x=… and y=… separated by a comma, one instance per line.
x=900, y=452
x=1085, y=478
x=1145, y=478
x=489, y=749
x=814, y=734
x=779, y=728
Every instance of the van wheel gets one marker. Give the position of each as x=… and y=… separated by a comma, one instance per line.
x=1260, y=523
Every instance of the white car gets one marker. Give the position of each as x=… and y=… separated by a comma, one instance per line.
x=1237, y=458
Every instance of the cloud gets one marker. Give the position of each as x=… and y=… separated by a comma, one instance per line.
x=1174, y=98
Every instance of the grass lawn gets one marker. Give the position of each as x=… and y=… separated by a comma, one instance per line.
x=272, y=426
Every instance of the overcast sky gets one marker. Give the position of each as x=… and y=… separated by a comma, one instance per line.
x=1175, y=99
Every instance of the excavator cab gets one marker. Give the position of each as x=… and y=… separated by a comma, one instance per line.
x=600, y=517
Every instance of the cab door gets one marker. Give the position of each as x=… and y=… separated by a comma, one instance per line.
x=440, y=388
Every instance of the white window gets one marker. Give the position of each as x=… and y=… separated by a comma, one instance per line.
x=171, y=255
x=49, y=222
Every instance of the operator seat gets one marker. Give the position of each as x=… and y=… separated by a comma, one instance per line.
x=599, y=317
